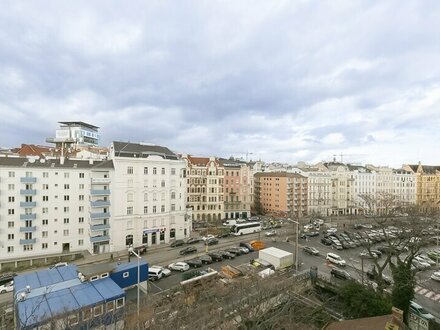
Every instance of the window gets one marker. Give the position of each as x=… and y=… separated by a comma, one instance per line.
x=130, y=170
x=98, y=310
x=154, y=209
x=87, y=314
x=45, y=174
x=81, y=219
x=81, y=197
x=66, y=232
x=66, y=197
x=66, y=175
x=81, y=175
x=129, y=197
x=162, y=196
x=145, y=170
x=10, y=236
x=45, y=222
x=173, y=171
x=163, y=170
x=66, y=209
x=125, y=274
x=11, y=187
x=94, y=278
x=120, y=301
x=162, y=208
x=173, y=207
x=44, y=233
x=154, y=170
x=110, y=306
x=28, y=247
x=10, y=249
x=45, y=198
x=66, y=220
x=145, y=197
x=173, y=195
x=81, y=186
x=80, y=231
x=10, y=211
x=145, y=209
x=154, y=196
x=45, y=186
x=73, y=319
x=80, y=242
x=130, y=210
x=11, y=174
x=81, y=208
x=11, y=199
x=45, y=210
x=66, y=186
x=44, y=246
x=104, y=275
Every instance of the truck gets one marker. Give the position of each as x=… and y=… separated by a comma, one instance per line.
x=276, y=257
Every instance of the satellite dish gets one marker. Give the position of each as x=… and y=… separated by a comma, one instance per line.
x=31, y=160
x=42, y=160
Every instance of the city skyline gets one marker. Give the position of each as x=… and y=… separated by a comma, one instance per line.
x=283, y=82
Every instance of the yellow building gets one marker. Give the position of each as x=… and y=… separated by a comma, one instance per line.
x=427, y=186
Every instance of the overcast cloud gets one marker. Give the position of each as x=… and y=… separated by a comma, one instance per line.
x=283, y=80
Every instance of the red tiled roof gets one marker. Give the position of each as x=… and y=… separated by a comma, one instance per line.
x=198, y=160
x=32, y=150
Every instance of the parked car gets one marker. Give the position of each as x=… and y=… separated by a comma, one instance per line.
x=227, y=255
x=193, y=240
x=207, y=237
x=6, y=278
x=206, y=259
x=311, y=250
x=436, y=276
x=270, y=233
x=58, y=265
x=195, y=263
x=372, y=275
x=187, y=250
x=179, y=266
x=211, y=241
x=337, y=245
x=234, y=250
x=425, y=259
x=215, y=256
x=420, y=311
x=335, y=259
x=376, y=252
x=165, y=271
x=326, y=241
x=244, y=250
x=247, y=246
x=177, y=243
x=339, y=273
x=366, y=255
x=332, y=230
x=420, y=265
x=7, y=287
x=154, y=273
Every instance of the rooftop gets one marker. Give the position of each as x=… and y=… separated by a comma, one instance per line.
x=141, y=150
x=53, y=163
x=78, y=123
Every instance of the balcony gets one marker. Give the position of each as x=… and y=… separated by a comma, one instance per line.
x=27, y=229
x=99, y=227
x=28, y=192
x=28, y=204
x=31, y=216
x=96, y=239
x=99, y=203
x=101, y=215
x=102, y=192
x=28, y=241
x=28, y=179
x=101, y=180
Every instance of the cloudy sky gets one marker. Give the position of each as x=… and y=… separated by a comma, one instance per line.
x=281, y=80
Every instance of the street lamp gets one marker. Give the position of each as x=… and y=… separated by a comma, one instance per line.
x=297, y=239
x=130, y=250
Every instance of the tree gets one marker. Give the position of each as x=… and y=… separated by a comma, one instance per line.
x=360, y=301
x=404, y=283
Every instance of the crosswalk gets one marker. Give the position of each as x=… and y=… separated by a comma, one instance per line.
x=427, y=293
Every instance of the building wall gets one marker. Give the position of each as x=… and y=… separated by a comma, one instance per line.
x=319, y=200
x=148, y=201
x=238, y=191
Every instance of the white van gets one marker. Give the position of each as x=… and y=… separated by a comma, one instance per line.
x=154, y=273
x=231, y=223
x=335, y=259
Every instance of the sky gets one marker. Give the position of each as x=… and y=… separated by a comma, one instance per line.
x=281, y=81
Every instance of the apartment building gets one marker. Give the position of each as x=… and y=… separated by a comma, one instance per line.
x=404, y=187
x=427, y=186
x=365, y=188
x=238, y=193
x=281, y=194
x=53, y=206
x=205, y=192
x=149, y=196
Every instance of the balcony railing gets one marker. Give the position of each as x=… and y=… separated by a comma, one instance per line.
x=101, y=215
x=28, y=204
x=99, y=238
x=28, y=241
x=27, y=229
x=102, y=192
x=28, y=192
x=99, y=227
x=28, y=179
x=100, y=180
x=31, y=216
x=99, y=203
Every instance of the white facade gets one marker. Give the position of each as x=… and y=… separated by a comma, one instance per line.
x=404, y=187
x=46, y=207
x=365, y=186
x=320, y=192
x=149, y=194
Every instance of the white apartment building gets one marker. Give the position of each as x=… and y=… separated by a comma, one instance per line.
x=149, y=196
x=404, y=187
x=365, y=187
x=53, y=206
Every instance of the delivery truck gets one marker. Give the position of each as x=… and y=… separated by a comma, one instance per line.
x=276, y=257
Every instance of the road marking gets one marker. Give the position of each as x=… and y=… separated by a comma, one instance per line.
x=417, y=289
x=423, y=291
x=437, y=297
x=429, y=294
